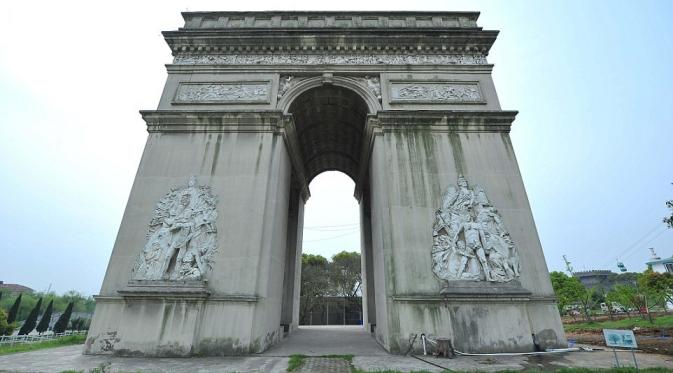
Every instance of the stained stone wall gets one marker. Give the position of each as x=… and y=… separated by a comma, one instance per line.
x=256, y=104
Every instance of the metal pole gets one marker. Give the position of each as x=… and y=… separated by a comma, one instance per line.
x=634, y=358
x=616, y=358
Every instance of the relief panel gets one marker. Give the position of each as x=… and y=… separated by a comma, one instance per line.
x=435, y=92
x=249, y=92
x=470, y=240
x=181, y=237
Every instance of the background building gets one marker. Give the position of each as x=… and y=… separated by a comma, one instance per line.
x=14, y=288
x=660, y=265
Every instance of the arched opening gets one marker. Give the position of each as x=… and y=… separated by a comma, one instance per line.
x=330, y=123
x=331, y=277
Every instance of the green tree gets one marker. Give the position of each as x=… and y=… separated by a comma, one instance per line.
x=63, y=320
x=345, y=276
x=6, y=328
x=14, y=310
x=79, y=324
x=619, y=296
x=570, y=290
x=43, y=325
x=314, y=284
x=30, y=322
x=658, y=286
x=559, y=281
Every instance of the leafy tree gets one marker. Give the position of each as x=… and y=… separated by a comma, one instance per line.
x=559, y=281
x=43, y=325
x=79, y=324
x=658, y=286
x=63, y=320
x=30, y=322
x=621, y=294
x=314, y=284
x=345, y=275
x=13, y=311
x=608, y=303
x=570, y=290
x=6, y=328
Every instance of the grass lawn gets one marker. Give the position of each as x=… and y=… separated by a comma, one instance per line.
x=63, y=341
x=630, y=323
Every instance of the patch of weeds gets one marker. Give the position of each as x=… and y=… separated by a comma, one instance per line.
x=348, y=358
x=295, y=362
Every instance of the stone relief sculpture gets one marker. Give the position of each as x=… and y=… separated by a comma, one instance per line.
x=470, y=242
x=436, y=92
x=286, y=82
x=182, y=236
x=326, y=59
x=374, y=85
x=217, y=92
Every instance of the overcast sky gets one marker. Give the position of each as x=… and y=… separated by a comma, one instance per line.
x=594, y=137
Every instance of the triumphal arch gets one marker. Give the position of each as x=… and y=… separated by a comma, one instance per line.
x=256, y=104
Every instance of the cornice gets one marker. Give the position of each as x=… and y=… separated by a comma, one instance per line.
x=330, y=32
x=329, y=19
x=332, y=41
x=212, y=121
x=311, y=70
x=445, y=120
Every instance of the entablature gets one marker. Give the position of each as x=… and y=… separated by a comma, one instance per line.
x=328, y=19
x=299, y=35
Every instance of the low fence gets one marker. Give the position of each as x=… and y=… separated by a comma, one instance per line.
x=19, y=339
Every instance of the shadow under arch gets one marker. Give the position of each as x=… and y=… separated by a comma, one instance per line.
x=329, y=121
x=356, y=85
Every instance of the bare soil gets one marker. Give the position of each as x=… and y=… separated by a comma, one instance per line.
x=649, y=340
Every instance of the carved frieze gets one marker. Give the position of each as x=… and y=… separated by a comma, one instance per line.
x=327, y=59
x=223, y=92
x=435, y=92
x=181, y=237
x=470, y=241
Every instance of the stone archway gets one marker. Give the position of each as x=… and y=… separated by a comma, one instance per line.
x=255, y=105
x=330, y=124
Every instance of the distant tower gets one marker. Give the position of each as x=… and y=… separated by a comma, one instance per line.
x=653, y=254
x=569, y=268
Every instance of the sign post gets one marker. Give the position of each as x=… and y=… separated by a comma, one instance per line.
x=623, y=339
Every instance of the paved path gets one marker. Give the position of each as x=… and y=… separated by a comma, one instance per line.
x=55, y=360
x=328, y=340
x=70, y=358
x=325, y=365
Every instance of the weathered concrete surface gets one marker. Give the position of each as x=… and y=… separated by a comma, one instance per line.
x=596, y=359
x=328, y=340
x=71, y=358
x=60, y=359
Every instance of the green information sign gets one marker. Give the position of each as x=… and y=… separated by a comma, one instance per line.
x=620, y=338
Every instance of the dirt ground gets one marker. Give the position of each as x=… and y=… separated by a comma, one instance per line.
x=648, y=341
